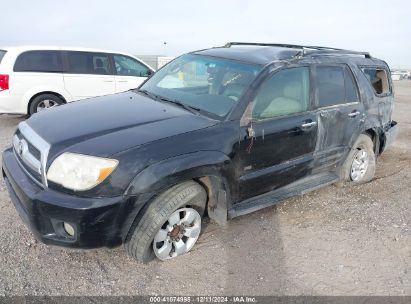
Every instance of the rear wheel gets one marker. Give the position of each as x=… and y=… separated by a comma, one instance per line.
x=170, y=225
x=359, y=167
x=43, y=102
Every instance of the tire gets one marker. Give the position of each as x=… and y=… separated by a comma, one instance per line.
x=47, y=100
x=351, y=172
x=140, y=240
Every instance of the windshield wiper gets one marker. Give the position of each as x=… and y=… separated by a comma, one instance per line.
x=187, y=107
x=149, y=94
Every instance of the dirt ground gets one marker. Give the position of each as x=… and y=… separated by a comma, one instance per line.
x=334, y=241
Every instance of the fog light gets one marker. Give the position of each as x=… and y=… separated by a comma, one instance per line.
x=68, y=228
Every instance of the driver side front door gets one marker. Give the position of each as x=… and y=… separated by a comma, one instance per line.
x=283, y=136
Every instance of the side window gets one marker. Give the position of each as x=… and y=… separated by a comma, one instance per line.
x=286, y=92
x=351, y=91
x=379, y=80
x=331, y=86
x=88, y=63
x=39, y=61
x=127, y=66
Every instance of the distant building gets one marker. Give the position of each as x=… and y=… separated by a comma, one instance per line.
x=155, y=61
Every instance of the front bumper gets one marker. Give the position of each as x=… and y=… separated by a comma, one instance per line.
x=97, y=222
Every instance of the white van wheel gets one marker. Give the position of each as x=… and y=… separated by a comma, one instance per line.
x=43, y=102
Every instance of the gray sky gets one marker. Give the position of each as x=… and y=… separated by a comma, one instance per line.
x=382, y=27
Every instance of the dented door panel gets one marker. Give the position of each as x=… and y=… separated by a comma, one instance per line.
x=281, y=152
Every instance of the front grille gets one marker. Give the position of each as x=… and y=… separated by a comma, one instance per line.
x=31, y=151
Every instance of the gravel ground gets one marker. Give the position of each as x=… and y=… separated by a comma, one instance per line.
x=334, y=241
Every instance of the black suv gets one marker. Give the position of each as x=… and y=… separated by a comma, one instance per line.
x=223, y=132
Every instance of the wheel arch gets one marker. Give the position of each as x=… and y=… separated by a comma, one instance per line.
x=44, y=93
x=204, y=167
x=33, y=92
x=375, y=136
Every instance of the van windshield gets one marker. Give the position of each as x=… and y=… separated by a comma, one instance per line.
x=210, y=85
x=2, y=53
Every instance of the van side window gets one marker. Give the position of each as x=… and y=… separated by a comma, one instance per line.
x=39, y=61
x=88, y=63
x=127, y=66
x=286, y=92
x=379, y=80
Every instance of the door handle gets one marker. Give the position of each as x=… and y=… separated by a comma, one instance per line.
x=309, y=124
x=354, y=113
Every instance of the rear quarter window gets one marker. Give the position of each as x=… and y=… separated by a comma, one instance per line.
x=2, y=53
x=39, y=61
x=378, y=78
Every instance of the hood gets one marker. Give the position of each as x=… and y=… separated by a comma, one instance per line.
x=110, y=124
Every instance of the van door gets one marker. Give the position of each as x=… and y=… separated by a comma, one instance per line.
x=130, y=73
x=340, y=113
x=88, y=74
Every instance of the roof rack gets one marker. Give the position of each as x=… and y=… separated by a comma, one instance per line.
x=306, y=49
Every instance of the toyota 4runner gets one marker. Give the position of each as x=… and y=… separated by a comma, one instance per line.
x=223, y=131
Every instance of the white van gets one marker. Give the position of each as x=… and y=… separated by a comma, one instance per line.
x=36, y=78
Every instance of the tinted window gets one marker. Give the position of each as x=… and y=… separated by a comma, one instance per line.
x=127, y=66
x=351, y=92
x=88, y=63
x=2, y=53
x=331, y=87
x=378, y=79
x=39, y=61
x=286, y=92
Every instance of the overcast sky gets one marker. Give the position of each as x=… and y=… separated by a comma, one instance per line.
x=382, y=27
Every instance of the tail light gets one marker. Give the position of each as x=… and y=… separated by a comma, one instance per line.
x=4, y=82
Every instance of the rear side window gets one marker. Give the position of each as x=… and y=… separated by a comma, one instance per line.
x=39, y=61
x=88, y=63
x=2, y=53
x=379, y=80
x=336, y=85
x=351, y=91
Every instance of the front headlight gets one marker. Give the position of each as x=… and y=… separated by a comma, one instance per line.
x=80, y=172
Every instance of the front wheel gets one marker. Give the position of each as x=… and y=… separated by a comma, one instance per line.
x=178, y=235
x=170, y=225
x=359, y=167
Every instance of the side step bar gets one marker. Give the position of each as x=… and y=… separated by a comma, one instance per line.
x=299, y=187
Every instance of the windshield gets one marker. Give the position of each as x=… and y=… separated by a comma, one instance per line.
x=210, y=85
x=2, y=53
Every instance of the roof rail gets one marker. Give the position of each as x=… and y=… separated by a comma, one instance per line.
x=306, y=49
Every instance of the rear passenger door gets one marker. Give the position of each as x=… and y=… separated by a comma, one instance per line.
x=88, y=74
x=340, y=113
x=130, y=73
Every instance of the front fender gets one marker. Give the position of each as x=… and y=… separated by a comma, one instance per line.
x=168, y=172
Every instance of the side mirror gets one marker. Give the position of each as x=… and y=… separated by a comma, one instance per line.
x=149, y=73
